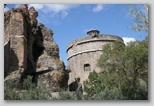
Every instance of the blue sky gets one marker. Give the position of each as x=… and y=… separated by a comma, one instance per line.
x=72, y=21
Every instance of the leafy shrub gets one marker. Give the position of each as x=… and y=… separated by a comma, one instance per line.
x=9, y=92
x=101, y=86
x=30, y=91
x=94, y=84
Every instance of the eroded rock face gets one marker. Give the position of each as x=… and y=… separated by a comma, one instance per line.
x=29, y=49
x=57, y=77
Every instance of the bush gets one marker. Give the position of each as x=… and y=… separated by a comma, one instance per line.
x=94, y=84
x=9, y=92
x=30, y=91
x=106, y=94
x=101, y=86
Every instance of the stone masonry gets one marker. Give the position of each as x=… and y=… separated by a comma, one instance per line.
x=83, y=54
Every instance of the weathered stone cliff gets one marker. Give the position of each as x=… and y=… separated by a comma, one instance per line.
x=29, y=49
x=49, y=60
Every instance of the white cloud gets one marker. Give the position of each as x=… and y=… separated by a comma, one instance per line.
x=54, y=9
x=59, y=7
x=98, y=8
x=36, y=6
x=128, y=39
x=56, y=12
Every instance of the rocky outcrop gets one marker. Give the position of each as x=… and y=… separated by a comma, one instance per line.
x=29, y=49
x=49, y=60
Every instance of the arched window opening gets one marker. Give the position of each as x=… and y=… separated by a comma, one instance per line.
x=87, y=67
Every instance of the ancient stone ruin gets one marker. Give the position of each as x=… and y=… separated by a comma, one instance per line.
x=83, y=54
x=29, y=49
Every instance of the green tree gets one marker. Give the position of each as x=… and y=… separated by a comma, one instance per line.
x=140, y=15
x=124, y=68
x=94, y=83
x=99, y=86
x=127, y=66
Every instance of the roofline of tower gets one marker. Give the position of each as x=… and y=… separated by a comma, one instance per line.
x=102, y=37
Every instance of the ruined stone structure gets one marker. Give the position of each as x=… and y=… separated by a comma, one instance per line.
x=29, y=49
x=83, y=54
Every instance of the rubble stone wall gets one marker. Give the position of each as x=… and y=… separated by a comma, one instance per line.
x=83, y=54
